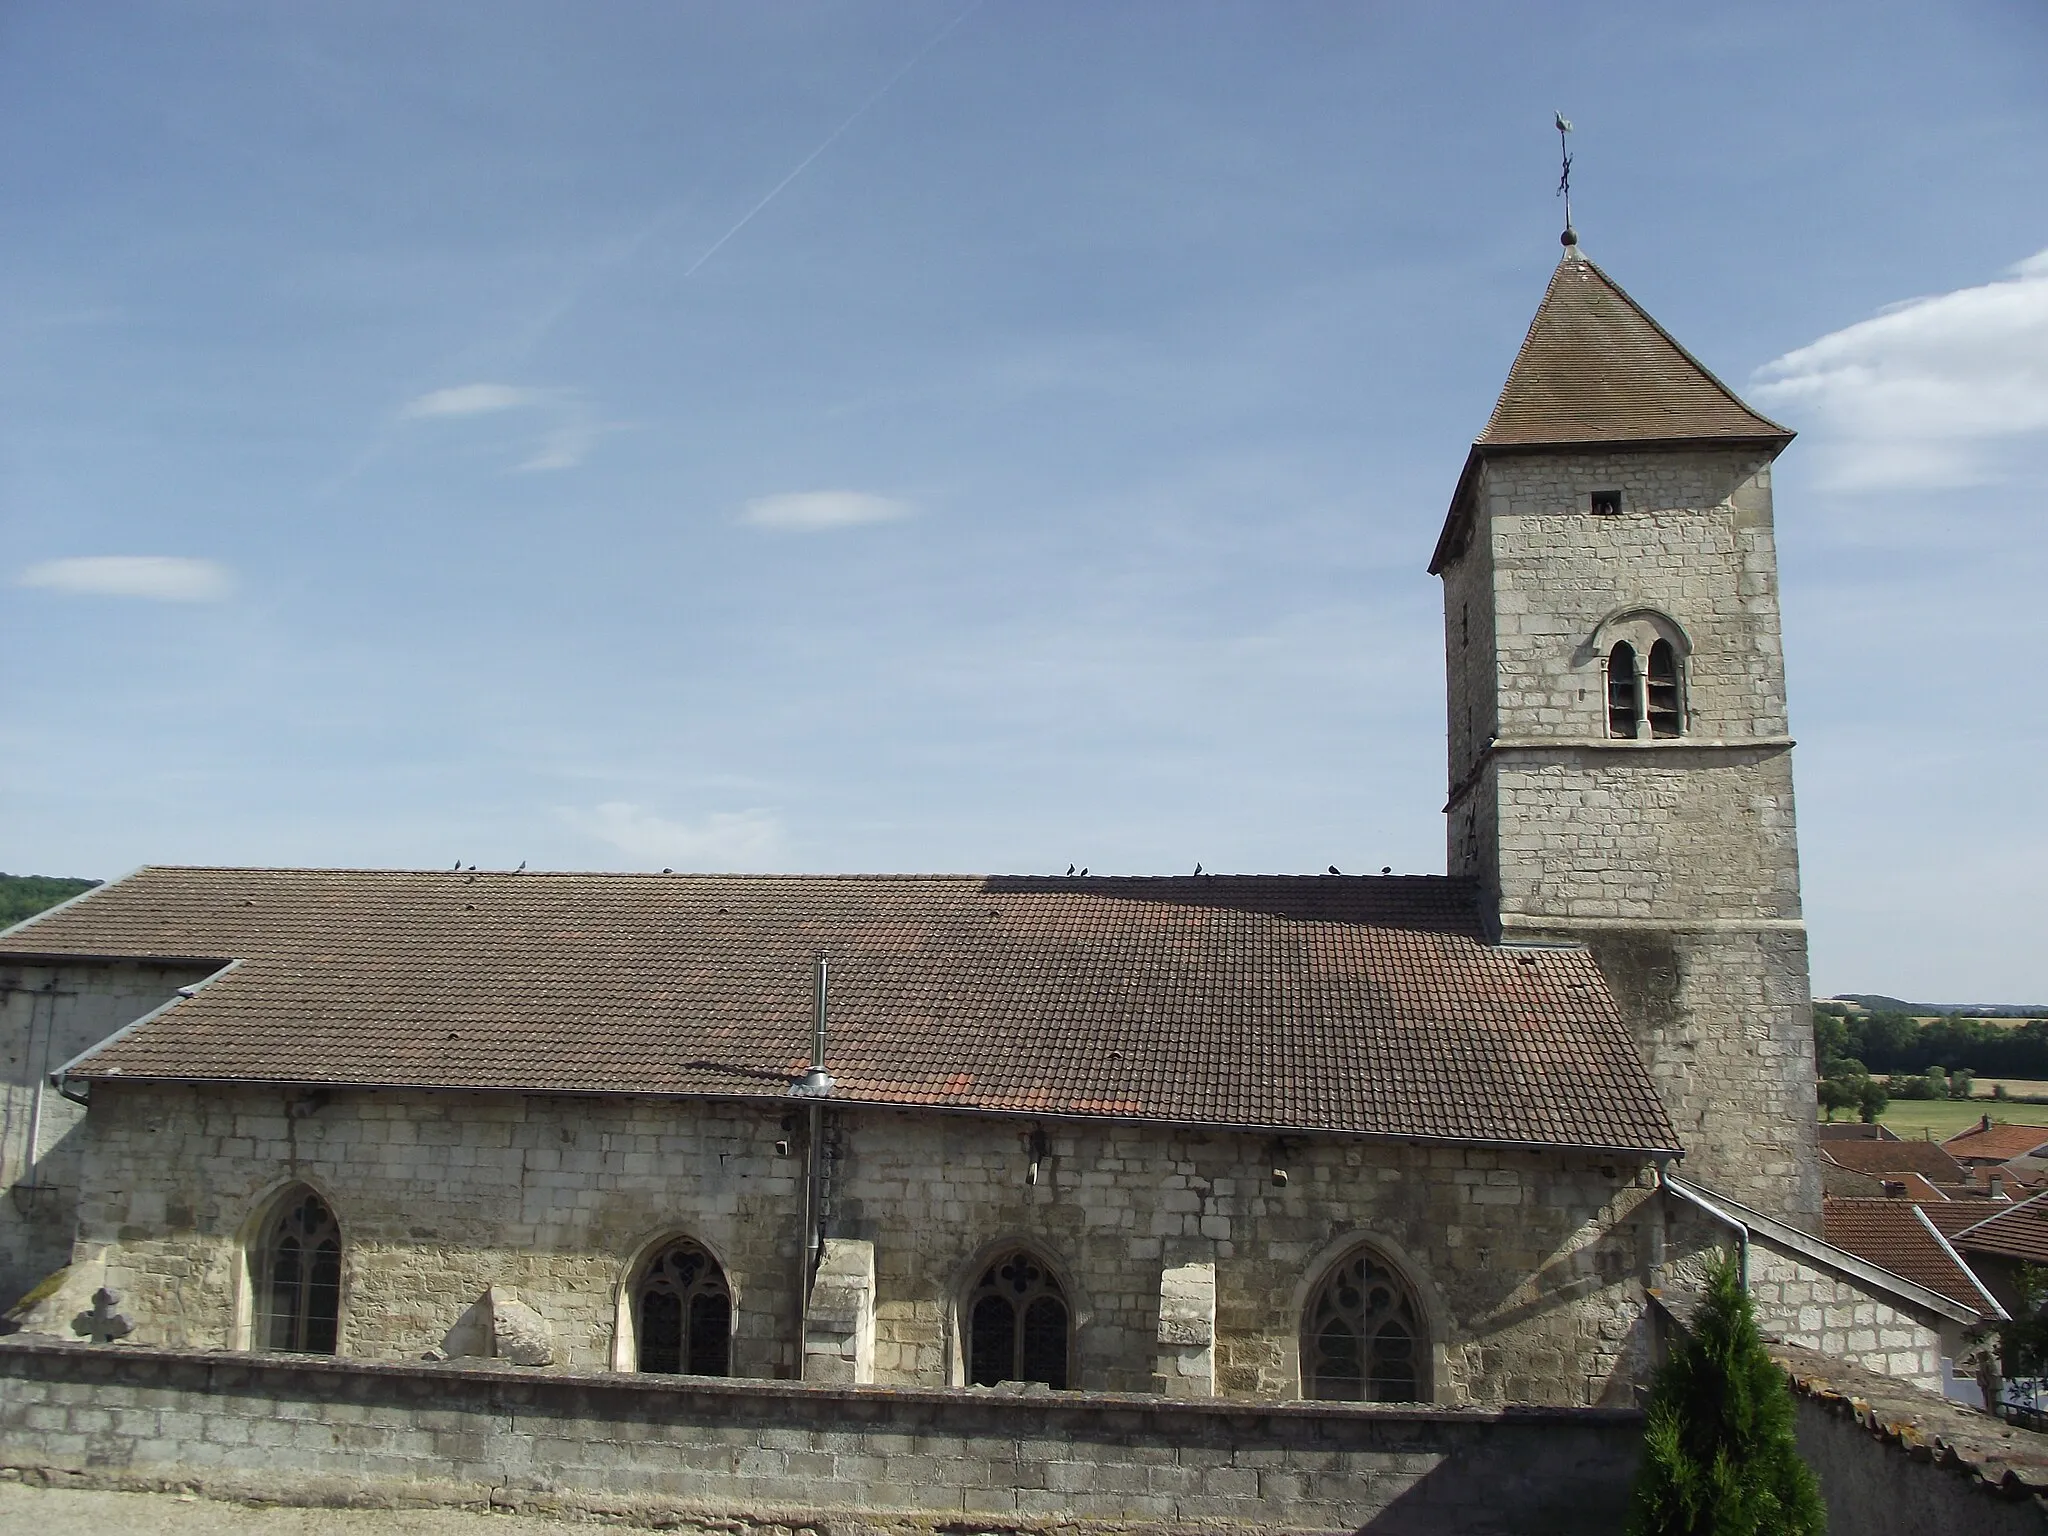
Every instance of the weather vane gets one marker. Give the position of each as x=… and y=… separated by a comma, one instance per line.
x=1570, y=236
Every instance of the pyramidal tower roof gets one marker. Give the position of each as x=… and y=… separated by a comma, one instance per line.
x=1595, y=368
x=1596, y=371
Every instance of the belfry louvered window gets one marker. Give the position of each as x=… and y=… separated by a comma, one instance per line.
x=298, y=1284
x=1362, y=1339
x=1666, y=709
x=1017, y=1324
x=682, y=1314
x=1624, y=692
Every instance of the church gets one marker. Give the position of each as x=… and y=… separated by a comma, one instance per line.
x=1453, y=1140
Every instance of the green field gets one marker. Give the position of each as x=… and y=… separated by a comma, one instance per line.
x=1913, y=1118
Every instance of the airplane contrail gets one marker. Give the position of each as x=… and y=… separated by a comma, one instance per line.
x=833, y=137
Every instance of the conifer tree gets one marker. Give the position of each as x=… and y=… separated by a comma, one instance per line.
x=1719, y=1458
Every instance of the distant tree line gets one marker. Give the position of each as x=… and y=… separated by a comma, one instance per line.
x=23, y=896
x=1899, y=1045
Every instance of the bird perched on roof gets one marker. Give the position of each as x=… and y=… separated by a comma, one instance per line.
x=1386, y=869
x=458, y=863
x=1084, y=870
x=1198, y=869
x=522, y=867
x=1070, y=869
x=1335, y=870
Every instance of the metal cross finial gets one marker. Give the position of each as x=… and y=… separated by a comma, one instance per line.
x=1570, y=236
x=102, y=1325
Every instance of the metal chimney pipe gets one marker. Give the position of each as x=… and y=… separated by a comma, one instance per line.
x=821, y=981
x=817, y=1082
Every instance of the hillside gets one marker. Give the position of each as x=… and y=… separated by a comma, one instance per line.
x=23, y=896
x=1878, y=1003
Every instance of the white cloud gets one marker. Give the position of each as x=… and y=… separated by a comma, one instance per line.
x=473, y=400
x=750, y=839
x=163, y=578
x=1927, y=392
x=814, y=511
x=566, y=445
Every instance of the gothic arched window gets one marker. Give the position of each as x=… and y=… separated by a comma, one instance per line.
x=1018, y=1325
x=1624, y=691
x=1667, y=710
x=1362, y=1338
x=298, y=1277
x=682, y=1314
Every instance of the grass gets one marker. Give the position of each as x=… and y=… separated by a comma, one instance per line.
x=1913, y=1118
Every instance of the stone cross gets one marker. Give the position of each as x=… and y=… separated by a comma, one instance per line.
x=102, y=1325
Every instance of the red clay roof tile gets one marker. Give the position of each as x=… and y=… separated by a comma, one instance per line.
x=1926, y=1158
x=1997, y=1143
x=1891, y=1235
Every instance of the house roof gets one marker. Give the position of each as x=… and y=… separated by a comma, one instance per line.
x=1926, y=1158
x=1595, y=368
x=1996, y=1143
x=1332, y=1003
x=2018, y=1231
x=1894, y=1235
x=1853, y=1130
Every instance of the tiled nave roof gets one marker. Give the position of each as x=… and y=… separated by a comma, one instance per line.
x=1328, y=1003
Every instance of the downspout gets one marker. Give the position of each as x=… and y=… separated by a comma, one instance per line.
x=815, y=1085
x=35, y=1108
x=1670, y=1186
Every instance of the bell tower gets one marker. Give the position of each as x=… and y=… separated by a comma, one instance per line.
x=1620, y=763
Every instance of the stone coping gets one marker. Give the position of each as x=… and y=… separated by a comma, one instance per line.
x=2007, y=1460
x=93, y=1358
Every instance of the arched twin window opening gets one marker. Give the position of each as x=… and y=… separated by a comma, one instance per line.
x=1018, y=1325
x=1636, y=698
x=1362, y=1338
x=682, y=1314
x=298, y=1283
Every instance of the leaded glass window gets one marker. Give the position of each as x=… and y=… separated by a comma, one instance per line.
x=1362, y=1340
x=683, y=1314
x=298, y=1283
x=1018, y=1325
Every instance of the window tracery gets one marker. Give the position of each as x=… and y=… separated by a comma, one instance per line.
x=682, y=1314
x=1018, y=1323
x=1362, y=1336
x=298, y=1284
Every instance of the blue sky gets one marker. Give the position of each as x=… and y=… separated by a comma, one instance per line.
x=453, y=430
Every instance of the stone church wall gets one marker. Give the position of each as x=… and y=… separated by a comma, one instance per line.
x=690, y=1453
x=1527, y=1266
x=48, y=1014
